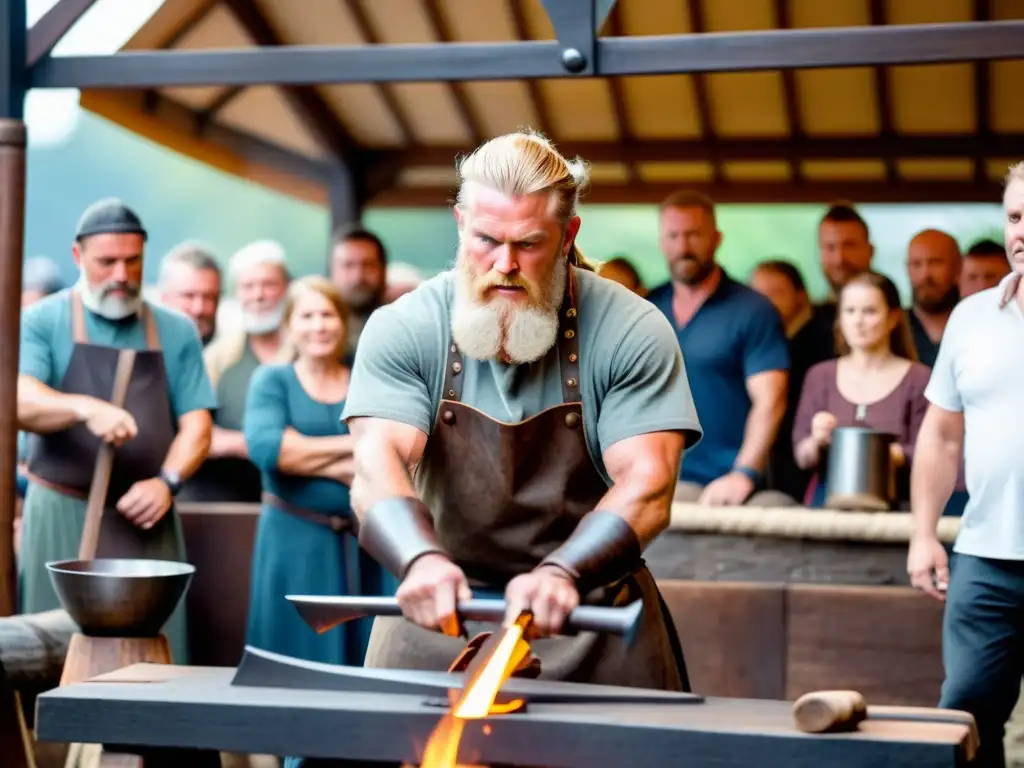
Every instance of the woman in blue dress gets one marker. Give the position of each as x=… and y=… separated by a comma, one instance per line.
x=304, y=541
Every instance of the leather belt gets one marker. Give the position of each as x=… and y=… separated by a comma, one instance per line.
x=337, y=523
x=74, y=493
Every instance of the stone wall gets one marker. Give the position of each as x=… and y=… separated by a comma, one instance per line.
x=723, y=557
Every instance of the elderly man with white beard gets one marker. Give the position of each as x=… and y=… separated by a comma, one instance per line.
x=259, y=274
x=519, y=427
x=70, y=346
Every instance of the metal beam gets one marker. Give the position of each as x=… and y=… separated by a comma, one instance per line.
x=796, y=149
x=44, y=35
x=576, y=24
x=664, y=54
x=751, y=192
x=13, y=78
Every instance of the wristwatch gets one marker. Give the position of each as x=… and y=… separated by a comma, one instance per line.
x=173, y=481
x=750, y=472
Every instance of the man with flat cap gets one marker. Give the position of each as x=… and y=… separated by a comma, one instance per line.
x=70, y=344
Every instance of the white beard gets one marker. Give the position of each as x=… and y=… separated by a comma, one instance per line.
x=523, y=333
x=110, y=307
x=262, y=323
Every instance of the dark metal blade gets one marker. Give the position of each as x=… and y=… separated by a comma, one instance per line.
x=263, y=669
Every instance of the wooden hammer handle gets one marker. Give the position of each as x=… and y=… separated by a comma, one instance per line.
x=104, y=463
x=824, y=711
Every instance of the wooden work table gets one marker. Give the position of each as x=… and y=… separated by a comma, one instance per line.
x=199, y=708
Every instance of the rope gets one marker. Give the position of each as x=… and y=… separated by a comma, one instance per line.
x=802, y=523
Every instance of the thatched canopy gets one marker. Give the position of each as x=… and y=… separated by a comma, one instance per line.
x=902, y=133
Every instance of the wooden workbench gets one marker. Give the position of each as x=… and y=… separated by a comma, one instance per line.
x=199, y=708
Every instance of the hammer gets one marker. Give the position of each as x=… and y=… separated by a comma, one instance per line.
x=843, y=711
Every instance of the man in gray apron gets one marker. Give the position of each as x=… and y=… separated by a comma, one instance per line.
x=543, y=411
x=70, y=343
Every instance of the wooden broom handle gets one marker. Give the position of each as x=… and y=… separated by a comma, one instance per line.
x=104, y=463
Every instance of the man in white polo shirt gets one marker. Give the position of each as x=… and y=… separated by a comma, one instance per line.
x=976, y=396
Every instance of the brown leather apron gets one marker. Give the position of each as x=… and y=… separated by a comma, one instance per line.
x=504, y=496
x=64, y=461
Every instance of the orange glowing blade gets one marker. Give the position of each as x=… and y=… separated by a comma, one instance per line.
x=495, y=662
x=477, y=699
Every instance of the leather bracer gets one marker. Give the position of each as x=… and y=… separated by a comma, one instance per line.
x=601, y=550
x=397, y=532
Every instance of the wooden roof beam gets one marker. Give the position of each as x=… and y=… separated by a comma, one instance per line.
x=789, y=90
x=982, y=94
x=540, y=107
x=443, y=33
x=700, y=91
x=800, y=148
x=319, y=119
x=386, y=90
x=618, y=94
x=883, y=95
x=752, y=192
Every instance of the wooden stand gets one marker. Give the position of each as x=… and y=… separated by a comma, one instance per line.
x=90, y=657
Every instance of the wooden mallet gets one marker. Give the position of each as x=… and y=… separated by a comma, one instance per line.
x=844, y=711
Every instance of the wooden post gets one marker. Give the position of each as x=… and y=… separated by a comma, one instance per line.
x=12, y=225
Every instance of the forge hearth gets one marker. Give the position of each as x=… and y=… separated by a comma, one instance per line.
x=221, y=709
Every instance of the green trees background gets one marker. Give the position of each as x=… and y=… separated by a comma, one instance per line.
x=182, y=199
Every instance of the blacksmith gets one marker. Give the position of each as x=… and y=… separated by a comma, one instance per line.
x=70, y=344
x=545, y=411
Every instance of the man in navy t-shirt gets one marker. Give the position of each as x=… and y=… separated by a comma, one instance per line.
x=736, y=356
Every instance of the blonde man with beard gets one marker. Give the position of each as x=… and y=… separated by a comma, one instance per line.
x=519, y=427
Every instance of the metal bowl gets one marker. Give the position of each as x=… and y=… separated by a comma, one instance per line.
x=120, y=597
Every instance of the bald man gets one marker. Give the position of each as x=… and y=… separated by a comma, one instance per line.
x=933, y=266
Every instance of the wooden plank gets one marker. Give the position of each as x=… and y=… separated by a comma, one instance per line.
x=885, y=643
x=733, y=636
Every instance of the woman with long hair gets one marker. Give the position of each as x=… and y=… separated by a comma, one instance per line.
x=876, y=382
x=305, y=541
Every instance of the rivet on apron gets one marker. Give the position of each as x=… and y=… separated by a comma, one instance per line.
x=451, y=393
x=569, y=334
x=571, y=382
x=457, y=367
x=454, y=348
x=571, y=312
x=572, y=357
x=572, y=419
x=448, y=417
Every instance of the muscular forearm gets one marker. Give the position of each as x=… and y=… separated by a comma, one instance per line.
x=228, y=443
x=759, y=435
x=188, y=451
x=380, y=473
x=312, y=456
x=644, y=500
x=933, y=478
x=43, y=410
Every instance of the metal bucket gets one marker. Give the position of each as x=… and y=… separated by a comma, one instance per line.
x=860, y=472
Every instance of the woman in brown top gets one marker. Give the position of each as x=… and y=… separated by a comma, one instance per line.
x=876, y=382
